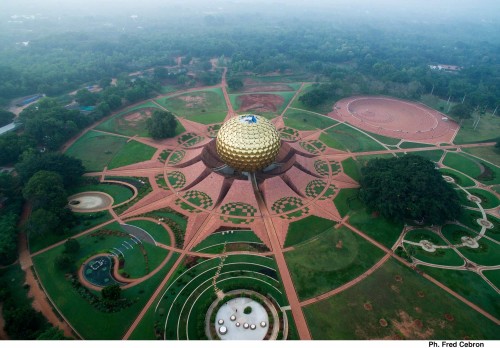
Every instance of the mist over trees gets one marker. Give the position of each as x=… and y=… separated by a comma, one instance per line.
x=385, y=42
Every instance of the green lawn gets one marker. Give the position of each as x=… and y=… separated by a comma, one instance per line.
x=447, y=257
x=486, y=130
x=384, y=139
x=487, y=252
x=347, y=200
x=325, y=263
x=352, y=139
x=489, y=153
x=305, y=120
x=460, y=179
x=119, y=123
x=96, y=149
x=156, y=231
x=436, y=102
x=189, y=293
x=441, y=256
x=377, y=227
x=493, y=276
x=469, y=285
x=420, y=234
x=352, y=168
x=345, y=317
x=132, y=152
x=488, y=199
x=90, y=322
x=206, y=106
x=432, y=155
x=217, y=239
x=307, y=228
x=410, y=145
x=120, y=193
x=463, y=164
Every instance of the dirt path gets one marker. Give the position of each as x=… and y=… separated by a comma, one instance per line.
x=40, y=300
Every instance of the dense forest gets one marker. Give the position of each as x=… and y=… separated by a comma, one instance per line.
x=355, y=53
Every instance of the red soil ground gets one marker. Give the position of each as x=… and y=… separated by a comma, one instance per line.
x=260, y=102
x=396, y=118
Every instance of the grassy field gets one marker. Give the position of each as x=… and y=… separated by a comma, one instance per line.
x=96, y=149
x=120, y=193
x=305, y=229
x=352, y=168
x=357, y=312
x=347, y=200
x=436, y=103
x=119, y=124
x=190, y=293
x=489, y=153
x=447, y=257
x=419, y=234
x=352, y=139
x=486, y=254
x=377, y=227
x=488, y=199
x=305, y=120
x=205, y=106
x=156, y=231
x=463, y=164
x=493, y=276
x=460, y=179
x=325, y=263
x=132, y=152
x=432, y=155
x=469, y=285
x=384, y=139
x=486, y=130
x=216, y=240
x=410, y=145
x=90, y=322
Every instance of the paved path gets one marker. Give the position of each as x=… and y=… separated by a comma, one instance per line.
x=291, y=293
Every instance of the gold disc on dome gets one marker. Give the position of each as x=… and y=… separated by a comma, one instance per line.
x=248, y=143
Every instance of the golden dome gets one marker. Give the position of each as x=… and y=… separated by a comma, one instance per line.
x=248, y=143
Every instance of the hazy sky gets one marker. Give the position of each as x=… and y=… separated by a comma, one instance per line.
x=489, y=9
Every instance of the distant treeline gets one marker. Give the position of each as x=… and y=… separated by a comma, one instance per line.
x=58, y=63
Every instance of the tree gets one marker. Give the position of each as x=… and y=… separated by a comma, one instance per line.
x=71, y=246
x=8, y=238
x=161, y=125
x=6, y=117
x=24, y=323
x=43, y=222
x=408, y=187
x=462, y=111
x=52, y=334
x=63, y=262
x=111, y=292
x=85, y=97
x=70, y=169
x=13, y=145
x=235, y=83
x=46, y=189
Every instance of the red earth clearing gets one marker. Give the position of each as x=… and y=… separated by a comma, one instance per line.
x=260, y=102
x=396, y=118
